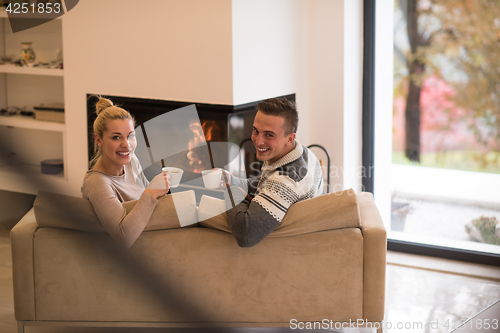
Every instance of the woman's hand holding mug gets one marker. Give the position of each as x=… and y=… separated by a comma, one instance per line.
x=159, y=185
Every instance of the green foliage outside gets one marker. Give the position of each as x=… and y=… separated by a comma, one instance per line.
x=457, y=160
x=487, y=227
x=457, y=41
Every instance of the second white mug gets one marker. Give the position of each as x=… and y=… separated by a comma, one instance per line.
x=211, y=178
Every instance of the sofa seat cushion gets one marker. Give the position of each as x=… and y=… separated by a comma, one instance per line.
x=53, y=210
x=198, y=275
x=336, y=210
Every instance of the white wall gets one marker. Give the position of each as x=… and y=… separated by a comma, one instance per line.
x=353, y=93
x=326, y=78
x=169, y=49
x=162, y=49
x=335, y=85
x=312, y=48
x=270, y=53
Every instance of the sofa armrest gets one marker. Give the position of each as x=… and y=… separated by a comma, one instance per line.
x=22, y=237
x=374, y=258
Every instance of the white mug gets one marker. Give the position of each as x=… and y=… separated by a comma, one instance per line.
x=176, y=175
x=211, y=178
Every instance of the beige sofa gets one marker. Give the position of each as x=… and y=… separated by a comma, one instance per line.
x=325, y=263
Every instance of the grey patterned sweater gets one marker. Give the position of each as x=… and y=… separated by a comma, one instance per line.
x=295, y=177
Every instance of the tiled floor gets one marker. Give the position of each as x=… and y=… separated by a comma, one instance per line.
x=418, y=300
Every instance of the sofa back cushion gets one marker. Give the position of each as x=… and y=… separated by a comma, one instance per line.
x=336, y=210
x=54, y=210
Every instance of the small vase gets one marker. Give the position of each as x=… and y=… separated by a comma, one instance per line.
x=27, y=54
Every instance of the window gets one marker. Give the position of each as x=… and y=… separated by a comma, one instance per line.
x=436, y=125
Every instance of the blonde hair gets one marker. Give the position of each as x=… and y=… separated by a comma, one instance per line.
x=105, y=110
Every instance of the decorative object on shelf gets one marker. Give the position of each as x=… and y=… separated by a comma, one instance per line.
x=50, y=112
x=14, y=110
x=52, y=64
x=59, y=56
x=52, y=167
x=27, y=54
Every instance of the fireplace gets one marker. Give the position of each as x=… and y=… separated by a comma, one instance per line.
x=221, y=125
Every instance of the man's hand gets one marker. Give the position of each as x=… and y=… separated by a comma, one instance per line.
x=225, y=179
x=238, y=193
x=226, y=183
x=247, y=196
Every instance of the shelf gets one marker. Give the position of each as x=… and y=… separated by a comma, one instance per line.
x=28, y=171
x=30, y=123
x=25, y=178
x=12, y=69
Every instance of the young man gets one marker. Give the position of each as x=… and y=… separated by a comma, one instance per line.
x=290, y=173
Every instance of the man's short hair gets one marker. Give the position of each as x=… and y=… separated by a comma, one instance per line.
x=283, y=108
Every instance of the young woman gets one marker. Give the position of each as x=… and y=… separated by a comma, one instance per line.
x=115, y=176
